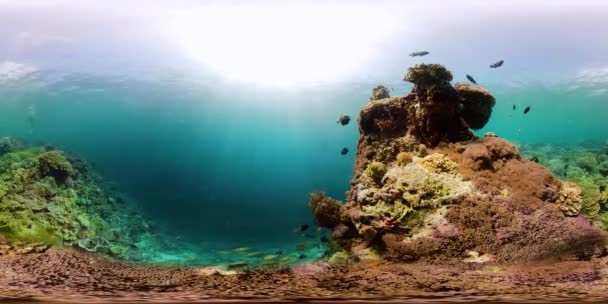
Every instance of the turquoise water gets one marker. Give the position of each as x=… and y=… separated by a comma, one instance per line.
x=225, y=166
x=217, y=164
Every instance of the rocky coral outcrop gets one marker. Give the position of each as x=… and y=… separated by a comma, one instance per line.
x=425, y=187
x=57, y=200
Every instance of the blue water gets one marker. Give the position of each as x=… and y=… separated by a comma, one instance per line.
x=234, y=165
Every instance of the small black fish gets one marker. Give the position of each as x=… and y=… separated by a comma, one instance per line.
x=527, y=109
x=324, y=239
x=280, y=252
x=343, y=119
x=344, y=151
x=514, y=107
x=566, y=167
x=497, y=64
x=535, y=159
x=301, y=256
x=422, y=53
x=471, y=79
x=302, y=228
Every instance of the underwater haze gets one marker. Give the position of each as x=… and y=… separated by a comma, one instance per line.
x=219, y=117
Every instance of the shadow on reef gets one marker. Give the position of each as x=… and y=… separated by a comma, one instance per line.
x=48, y=198
x=426, y=188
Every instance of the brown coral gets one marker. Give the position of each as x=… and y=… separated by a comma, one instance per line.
x=379, y=92
x=477, y=104
x=327, y=211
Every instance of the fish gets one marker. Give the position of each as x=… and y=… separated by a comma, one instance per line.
x=527, y=109
x=279, y=252
x=236, y=265
x=324, y=239
x=285, y=259
x=421, y=53
x=270, y=257
x=302, y=228
x=301, y=256
x=344, y=151
x=252, y=254
x=471, y=79
x=535, y=159
x=343, y=119
x=497, y=64
x=514, y=107
x=242, y=249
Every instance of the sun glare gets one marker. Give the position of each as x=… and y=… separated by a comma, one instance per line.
x=281, y=44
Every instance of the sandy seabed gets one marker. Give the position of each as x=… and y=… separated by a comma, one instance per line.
x=65, y=275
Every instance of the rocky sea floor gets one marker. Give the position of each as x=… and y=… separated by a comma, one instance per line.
x=65, y=275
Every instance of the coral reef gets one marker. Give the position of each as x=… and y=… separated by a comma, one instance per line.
x=424, y=187
x=327, y=211
x=379, y=92
x=57, y=200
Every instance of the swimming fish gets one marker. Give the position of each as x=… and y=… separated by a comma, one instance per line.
x=242, y=249
x=301, y=256
x=285, y=259
x=497, y=64
x=324, y=239
x=279, y=252
x=514, y=107
x=470, y=78
x=535, y=159
x=421, y=53
x=343, y=119
x=270, y=257
x=344, y=151
x=302, y=228
x=527, y=109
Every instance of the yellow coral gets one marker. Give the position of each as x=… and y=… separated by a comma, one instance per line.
x=438, y=163
x=570, y=200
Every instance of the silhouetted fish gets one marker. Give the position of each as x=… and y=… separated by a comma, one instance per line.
x=279, y=252
x=421, y=53
x=302, y=228
x=471, y=79
x=497, y=64
x=301, y=256
x=514, y=107
x=344, y=151
x=324, y=239
x=343, y=119
x=535, y=159
x=527, y=109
